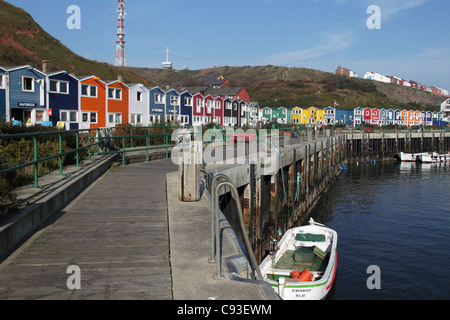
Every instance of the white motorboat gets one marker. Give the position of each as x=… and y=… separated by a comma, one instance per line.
x=409, y=157
x=303, y=266
x=434, y=158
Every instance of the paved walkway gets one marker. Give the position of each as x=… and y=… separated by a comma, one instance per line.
x=116, y=232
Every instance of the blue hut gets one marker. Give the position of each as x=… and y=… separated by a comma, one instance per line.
x=25, y=101
x=186, y=105
x=157, y=105
x=63, y=100
x=172, y=108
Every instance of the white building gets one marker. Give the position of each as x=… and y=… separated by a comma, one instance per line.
x=377, y=77
x=445, y=108
x=139, y=105
x=443, y=91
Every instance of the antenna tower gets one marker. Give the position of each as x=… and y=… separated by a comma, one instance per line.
x=120, y=49
x=167, y=64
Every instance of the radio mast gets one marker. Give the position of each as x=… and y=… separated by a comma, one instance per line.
x=120, y=49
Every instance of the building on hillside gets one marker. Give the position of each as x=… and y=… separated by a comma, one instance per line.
x=445, y=108
x=346, y=72
x=407, y=84
x=377, y=77
x=396, y=80
x=235, y=93
x=63, y=100
x=416, y=85
x=139, y=104
x=215, y=82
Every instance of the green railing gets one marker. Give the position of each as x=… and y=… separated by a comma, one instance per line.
x=102, y=141
x=60, y=155
x=94, y=146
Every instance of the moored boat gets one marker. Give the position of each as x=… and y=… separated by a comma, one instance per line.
x=303, y=266
x=408, y=157
x=434, y=158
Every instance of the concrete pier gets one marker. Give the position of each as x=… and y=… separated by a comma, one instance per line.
x=133, y=238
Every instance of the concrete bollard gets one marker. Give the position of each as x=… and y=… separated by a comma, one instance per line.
x=189, y=172
x=287, y=140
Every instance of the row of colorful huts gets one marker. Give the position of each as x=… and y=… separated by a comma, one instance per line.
x=30, y=96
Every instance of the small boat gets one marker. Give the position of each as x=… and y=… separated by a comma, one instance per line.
x=434, y=158
x=408, y=157
x=302, y=266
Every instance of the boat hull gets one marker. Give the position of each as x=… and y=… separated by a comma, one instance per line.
x=434, y=158
x=289, y=288
x=409, y=157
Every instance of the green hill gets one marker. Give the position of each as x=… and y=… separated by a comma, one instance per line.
x=281, y=86
x=24, y=42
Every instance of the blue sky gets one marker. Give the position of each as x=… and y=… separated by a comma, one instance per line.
x=412, y=42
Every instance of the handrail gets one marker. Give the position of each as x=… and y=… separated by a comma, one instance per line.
x=59, y=155
x=218, y=275
x=214, y=209
x=94, y=140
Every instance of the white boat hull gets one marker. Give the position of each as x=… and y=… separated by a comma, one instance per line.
x=289, y=288
x=433, y=158
x=409, y=157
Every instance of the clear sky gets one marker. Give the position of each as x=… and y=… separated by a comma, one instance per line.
x=413, y=42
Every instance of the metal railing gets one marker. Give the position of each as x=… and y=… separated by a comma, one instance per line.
x=36, y=160
x=215, y=231
x=96, y=145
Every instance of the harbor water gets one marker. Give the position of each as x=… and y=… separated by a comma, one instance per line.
x=395, y=217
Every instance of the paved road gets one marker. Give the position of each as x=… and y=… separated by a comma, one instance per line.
x=116, y=233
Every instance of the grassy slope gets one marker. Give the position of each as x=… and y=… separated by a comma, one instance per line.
x=24, y=42
x=280, y=86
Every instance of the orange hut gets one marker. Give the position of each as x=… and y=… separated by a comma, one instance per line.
x=117, y=103
x=92, y=103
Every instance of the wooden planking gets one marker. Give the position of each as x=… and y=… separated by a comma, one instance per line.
x=117, y=234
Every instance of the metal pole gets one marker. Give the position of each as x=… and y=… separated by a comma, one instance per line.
x=235, y=195
x=214, y=209
x=36, y=185
x=60, y=157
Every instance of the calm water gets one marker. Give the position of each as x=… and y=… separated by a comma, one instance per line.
x=394, y=216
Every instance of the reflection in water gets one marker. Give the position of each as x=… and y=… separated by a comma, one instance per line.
x=395, y=216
